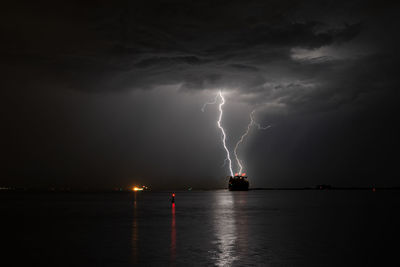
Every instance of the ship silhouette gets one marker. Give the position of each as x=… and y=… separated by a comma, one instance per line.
x=238, y=183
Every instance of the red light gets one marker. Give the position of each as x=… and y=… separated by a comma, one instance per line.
x=236, y=174
x=243, y=174
x=173, y=195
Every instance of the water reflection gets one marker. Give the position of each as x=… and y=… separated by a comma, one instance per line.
x=173, y=235
x=135, y=238
x=241, y=209
x=225, y=230
x=231, y=228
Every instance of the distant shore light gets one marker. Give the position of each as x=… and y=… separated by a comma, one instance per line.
x=135, y=188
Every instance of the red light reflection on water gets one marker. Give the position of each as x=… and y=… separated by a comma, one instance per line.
x=173, y=235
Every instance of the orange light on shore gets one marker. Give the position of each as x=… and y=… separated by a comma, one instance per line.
x=135, y=188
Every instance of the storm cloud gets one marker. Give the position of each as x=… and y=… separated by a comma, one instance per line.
x=110, y=93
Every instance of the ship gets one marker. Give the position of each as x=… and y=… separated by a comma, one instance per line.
x=238, y=183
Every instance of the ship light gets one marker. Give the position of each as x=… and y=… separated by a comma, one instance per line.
x=135, y=188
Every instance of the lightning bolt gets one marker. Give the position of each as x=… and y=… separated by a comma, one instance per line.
x=209, y=103
x=228, y=157
x=251, y=123
x=242, y=138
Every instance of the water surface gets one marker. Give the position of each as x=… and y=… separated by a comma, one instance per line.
x=210, y=228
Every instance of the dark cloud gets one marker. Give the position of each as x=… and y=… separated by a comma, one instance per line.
x=125, y=42
x=72, y=70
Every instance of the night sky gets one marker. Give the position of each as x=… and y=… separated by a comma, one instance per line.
x=105, y=94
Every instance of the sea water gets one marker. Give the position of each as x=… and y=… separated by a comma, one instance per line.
x=203, y=228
